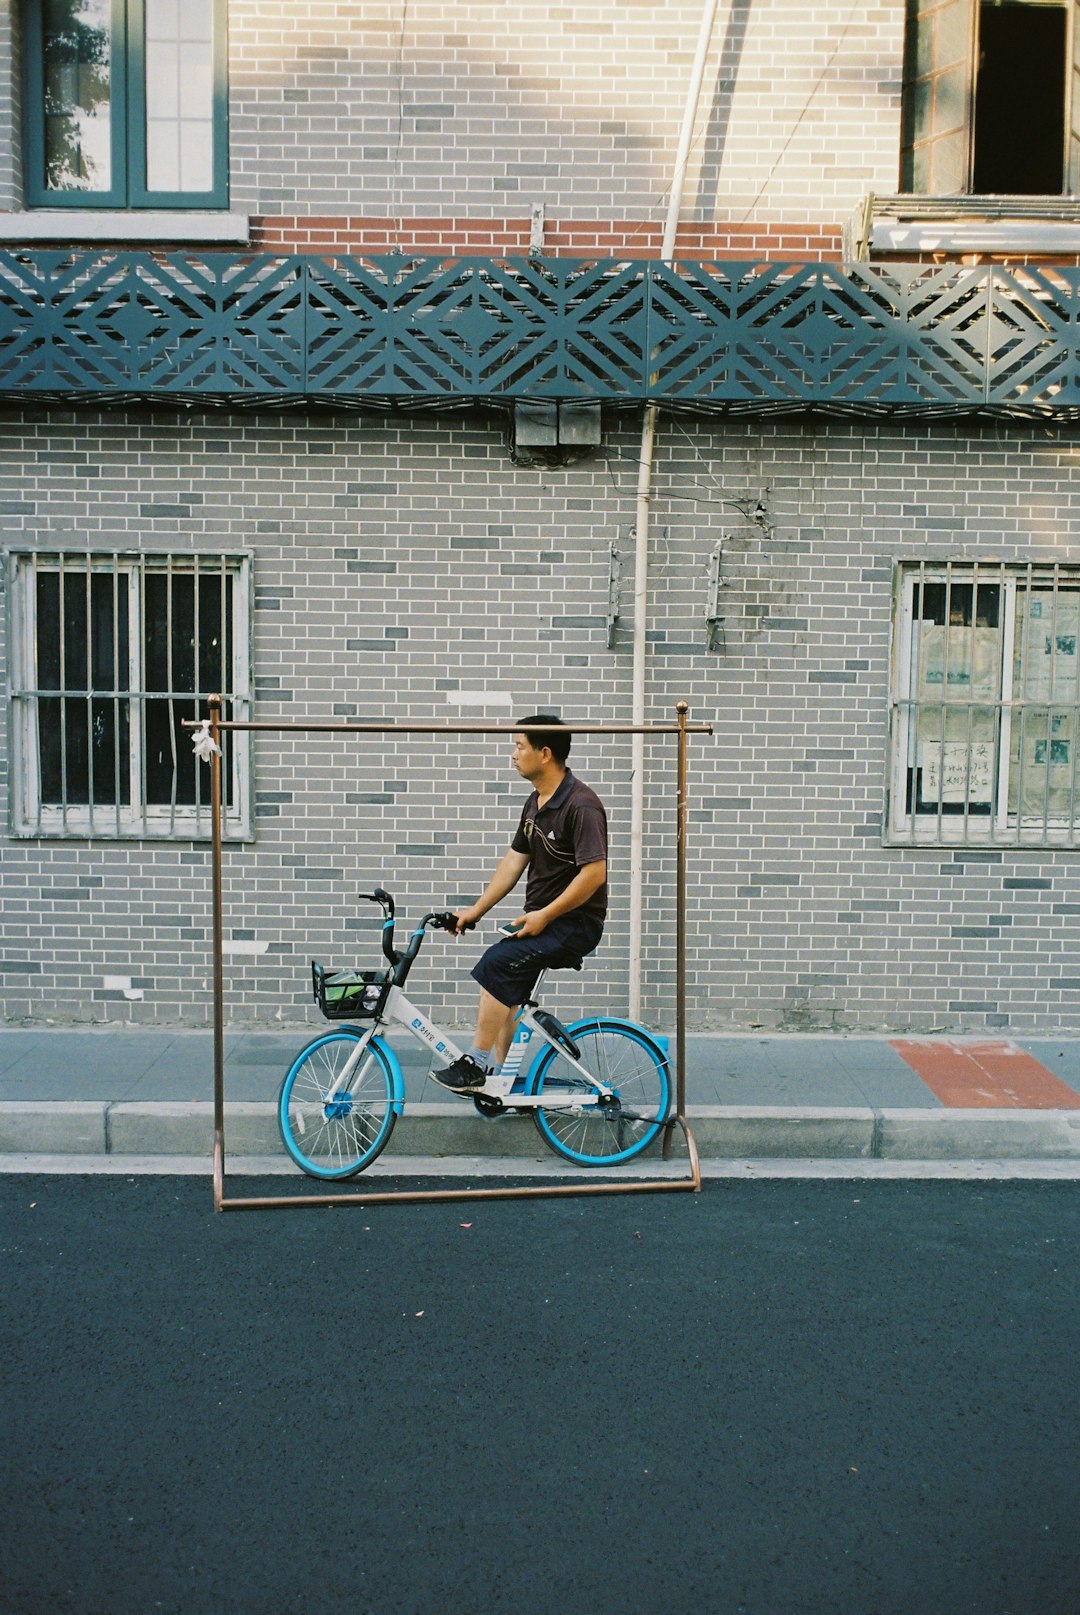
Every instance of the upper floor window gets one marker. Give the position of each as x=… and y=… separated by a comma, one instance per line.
x=991, y=98
x=125, y=103
x=985, y=720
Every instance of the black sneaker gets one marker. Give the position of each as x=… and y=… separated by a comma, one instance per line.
x=461, y=1077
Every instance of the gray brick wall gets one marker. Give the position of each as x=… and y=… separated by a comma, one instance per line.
x=457, y=108
x=400, y=562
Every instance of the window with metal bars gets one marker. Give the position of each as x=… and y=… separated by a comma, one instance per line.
x=985, y=714
x=110, y=653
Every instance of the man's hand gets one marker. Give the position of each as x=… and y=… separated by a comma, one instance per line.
x=466, y=917
x=530, y=924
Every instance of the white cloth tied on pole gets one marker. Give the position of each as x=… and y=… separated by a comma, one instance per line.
x=205, y=746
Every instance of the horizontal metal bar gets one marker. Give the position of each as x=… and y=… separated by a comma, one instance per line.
x=71, y=694
x=295, y=1202
x=460, y=728
x=384, y=1197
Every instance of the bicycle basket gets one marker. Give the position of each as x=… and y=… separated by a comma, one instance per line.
x=349, y=995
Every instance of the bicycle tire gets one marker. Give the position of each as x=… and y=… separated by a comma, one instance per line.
x=334, y=1134
x=624, y=1058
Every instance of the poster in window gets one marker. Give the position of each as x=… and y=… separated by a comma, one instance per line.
x=965, y=773
x=1041, y=777
x=957, y=662
x=1047, y=634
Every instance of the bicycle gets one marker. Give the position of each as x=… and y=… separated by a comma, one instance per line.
x=599, y=1090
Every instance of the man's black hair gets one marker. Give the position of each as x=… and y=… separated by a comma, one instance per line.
x=559, y=745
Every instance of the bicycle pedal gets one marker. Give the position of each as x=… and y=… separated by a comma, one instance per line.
x=488, y=1105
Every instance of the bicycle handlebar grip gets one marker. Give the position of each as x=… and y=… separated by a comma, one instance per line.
x=448, y=921
x=379, y=896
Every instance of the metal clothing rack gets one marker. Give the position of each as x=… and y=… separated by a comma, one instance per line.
x=682, y=729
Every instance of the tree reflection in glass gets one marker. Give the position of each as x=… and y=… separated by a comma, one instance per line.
x=77, y=73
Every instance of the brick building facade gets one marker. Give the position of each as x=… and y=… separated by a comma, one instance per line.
x=869, y=847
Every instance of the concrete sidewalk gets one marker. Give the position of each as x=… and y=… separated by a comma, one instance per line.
x=141, y=1093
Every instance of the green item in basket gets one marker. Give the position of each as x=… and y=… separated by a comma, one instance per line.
x=353, y=994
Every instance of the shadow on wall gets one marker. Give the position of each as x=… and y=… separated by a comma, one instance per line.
x=419, y=123
x=719, y=125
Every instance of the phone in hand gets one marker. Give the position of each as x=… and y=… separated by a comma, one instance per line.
x=511, y=929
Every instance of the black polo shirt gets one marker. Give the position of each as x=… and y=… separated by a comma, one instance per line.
x=569, y=831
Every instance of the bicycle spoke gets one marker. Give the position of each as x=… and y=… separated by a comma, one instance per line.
x=633, y=1075
x=333, y=1128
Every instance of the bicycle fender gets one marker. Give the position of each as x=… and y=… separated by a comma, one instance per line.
x=659, y=1041
x=397, y=1078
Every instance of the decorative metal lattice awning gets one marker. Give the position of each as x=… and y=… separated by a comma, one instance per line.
x=349, y=332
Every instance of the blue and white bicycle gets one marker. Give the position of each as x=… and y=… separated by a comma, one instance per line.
x=599, y=1090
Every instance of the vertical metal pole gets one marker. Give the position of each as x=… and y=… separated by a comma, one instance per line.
x=682, y=708
x=219, y=963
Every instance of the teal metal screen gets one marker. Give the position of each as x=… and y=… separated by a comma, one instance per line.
x=415, y=332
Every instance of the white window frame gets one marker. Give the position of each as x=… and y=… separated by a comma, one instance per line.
x=907, y=827
x=135, y=818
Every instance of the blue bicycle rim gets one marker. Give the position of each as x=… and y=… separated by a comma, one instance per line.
x=627, y=1029
x=386, y=1065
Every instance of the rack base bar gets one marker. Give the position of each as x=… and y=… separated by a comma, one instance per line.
x=290, y=1202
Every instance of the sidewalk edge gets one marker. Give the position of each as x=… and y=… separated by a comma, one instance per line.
x=722, y=1132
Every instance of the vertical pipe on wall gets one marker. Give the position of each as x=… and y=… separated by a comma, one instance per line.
x=641, y=544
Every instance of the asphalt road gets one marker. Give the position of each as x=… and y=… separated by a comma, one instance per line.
x=779, y=1398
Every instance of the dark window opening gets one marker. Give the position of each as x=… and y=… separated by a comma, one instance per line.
x=187, y=650
x=1020, y=101
x=959, y=604
x=121, y=655
x=82, y=656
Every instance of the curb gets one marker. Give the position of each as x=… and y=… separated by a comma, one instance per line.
x=722, y=1132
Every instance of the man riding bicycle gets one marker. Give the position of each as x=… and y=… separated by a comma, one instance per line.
x=561, y=839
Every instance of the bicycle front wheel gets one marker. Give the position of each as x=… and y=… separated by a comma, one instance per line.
x=334, y=1128
x=628, y=1063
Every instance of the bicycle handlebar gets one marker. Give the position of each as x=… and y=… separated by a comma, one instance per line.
x=443, y=920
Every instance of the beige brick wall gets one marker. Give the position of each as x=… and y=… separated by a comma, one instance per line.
x=476, y=109
x=470, y=110
x=10, y=108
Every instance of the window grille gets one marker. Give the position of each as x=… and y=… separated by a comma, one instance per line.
x=110, y=652
x=985, y=714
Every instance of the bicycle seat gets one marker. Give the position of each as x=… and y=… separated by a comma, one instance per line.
x=567, y=959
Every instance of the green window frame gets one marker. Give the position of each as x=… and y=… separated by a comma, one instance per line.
x=95, y=134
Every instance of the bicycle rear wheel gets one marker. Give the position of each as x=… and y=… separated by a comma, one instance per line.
x=330, y=1128
x=627, y=1061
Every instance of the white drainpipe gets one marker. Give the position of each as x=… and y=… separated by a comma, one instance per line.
x=641, y=548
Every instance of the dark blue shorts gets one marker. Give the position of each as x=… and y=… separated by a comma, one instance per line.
x=510, y=968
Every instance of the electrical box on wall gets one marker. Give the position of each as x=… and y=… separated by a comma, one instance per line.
x=550, y=432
